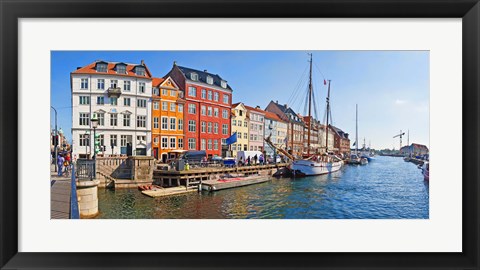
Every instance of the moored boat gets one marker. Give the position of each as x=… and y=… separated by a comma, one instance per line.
x=426, y=171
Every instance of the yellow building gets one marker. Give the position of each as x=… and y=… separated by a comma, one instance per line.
x=167, y=119
x=240, y=124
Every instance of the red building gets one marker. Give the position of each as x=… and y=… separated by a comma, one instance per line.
x=207, y=110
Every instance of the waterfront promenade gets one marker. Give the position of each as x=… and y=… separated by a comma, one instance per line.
x=60, y=189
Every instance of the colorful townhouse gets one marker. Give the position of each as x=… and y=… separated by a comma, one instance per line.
x=331, y=140
x=342, y=142
x=295, y=126
x=277, y=129
x=120, y=95
x=208, y=104
x=167, y=118
x=314, y=144
x=240, y=125
x=256, y=117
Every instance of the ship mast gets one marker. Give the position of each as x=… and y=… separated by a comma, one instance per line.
x=356, y=129
x=309, y=107
x=328, y=112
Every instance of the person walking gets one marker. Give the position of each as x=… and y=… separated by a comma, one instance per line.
x=260, y=159
x=255, y=158
x=60, y=161
x=248, y=161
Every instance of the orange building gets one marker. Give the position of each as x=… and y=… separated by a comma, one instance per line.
x=167, y=119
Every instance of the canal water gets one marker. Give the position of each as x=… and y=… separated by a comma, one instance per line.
x=387, y=188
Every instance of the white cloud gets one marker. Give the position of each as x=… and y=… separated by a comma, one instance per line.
x=400, y=102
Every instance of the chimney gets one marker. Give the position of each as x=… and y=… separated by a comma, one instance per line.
x=142, y=62
x=205, y=71
x=276, y=101
x=79, y=68
x=257, y=107
x=286, y=106
x=174, y=63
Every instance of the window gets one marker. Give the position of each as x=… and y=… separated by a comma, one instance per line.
x=101, y=67
x=192, y=126
x=180, y=124
x=126, y=120
x=156, y=105
x=126, y=102
x=215, y=96
x=165, y=92
x=260, y=127
x=239, y=123
x=172, y=107
x=84, y=139
x=113, y=101
x=113, y=83
x=192, y=91
x=141, y=103
x=164, y=106
x=251, y=147
x=192, y=108
x=123, y=140
x=155, y=122
x=101, y=119
x=194, y=76
x=224, y=141
x=101, y=139
x=100, y=100
x=84, y=84
x=225, y=114
x=172, y=93
x=84, y=100
x=84, y=119
x=209, y=144
x=234, y=147
x=113, y=119
x=215, y=128
x=209, y=111
x=209, y=127
x=245, y=124
x=240, y=112
x=204, y=127
x=192, y=144
x=180, y=107
x=101, y=84
x=126, y=85
x=141, y=87
x=140, y=71
x=173, y=142
x=234, y=122
x=224, y=129
x=121, y=69
x=164, y=142
x=215, y=112
x=209, y=95
x=180, y=143
x=202, y=146
x=245, y=135
x=215, y=144
x=113, y=140
x=204, y=94
x=251, y=137
x=155, y=141
x=164, y=123
x=141, y=121
x=173, y=123
x=203, y=110
x=155, y=91
x=209, y=80
x=223, y=84
x=225, y=99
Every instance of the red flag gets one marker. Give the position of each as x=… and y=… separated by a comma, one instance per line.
x=324, y=82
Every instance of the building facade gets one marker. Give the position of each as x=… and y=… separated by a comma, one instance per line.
x=240, y=125
x=322, y=132
x=119, y=94
x=414, y=149
x=341, y=142
x=167, y=118
x=256, y=118
x=277, y=129
x=314, y=143
x=208, y=100
x=295, y=126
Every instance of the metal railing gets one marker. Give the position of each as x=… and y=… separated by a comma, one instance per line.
x=74, y=211
x=85, y=169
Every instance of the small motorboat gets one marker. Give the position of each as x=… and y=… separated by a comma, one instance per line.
x=426, y=171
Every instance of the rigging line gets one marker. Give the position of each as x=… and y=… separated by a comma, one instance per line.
x=319, y=70
x=298, y=91
x=314, y=105
x=299, y=83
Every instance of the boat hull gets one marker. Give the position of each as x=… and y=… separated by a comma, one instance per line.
x=309, y=167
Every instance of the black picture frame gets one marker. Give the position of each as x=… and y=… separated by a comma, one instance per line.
x=11, y=11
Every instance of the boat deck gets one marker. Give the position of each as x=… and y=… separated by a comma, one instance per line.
x=162, y=192
x=219, y=184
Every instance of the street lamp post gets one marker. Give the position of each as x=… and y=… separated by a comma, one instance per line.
x=56, y=139
x=94, y=125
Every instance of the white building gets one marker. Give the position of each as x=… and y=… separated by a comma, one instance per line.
x=120, y=95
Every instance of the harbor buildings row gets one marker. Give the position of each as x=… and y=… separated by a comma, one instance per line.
x=187, y=109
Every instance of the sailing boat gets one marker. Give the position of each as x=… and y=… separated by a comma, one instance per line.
x=316, y=165
x=355, y=159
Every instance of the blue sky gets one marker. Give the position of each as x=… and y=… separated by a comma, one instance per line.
x=391, y=88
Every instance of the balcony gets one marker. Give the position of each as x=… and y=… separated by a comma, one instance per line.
x=114, y=92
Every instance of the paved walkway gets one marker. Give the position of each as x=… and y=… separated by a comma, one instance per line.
x=59, y=195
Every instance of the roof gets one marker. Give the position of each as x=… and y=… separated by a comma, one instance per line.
x=287, y=110
x=202, y=76
x=254, y=109
x=157, y=81
x=274, y=116
x=340, y=132
x=419, y=145
x=91, y=69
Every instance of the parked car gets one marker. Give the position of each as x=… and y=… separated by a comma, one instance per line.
x=216, y=159
x=193, y=156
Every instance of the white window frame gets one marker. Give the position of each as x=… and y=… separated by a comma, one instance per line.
x=164, y=123
x=84, y=83
x=174, y=126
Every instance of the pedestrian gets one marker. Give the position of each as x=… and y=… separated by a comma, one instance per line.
x=60, y=161
x=261, y=159
x=241, y=161
x=248, y=160
x=255, y=158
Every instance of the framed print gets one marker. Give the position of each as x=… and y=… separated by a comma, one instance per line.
x=252, y=135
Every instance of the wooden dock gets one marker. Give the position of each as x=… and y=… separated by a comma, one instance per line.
x=162, y=192
x=60, y=199
x=225, y=183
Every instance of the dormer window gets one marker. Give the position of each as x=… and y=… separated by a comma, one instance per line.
x=223, y=84
x=121, y=69
x=101, y=67
x=194, y=76
x=140, y=71
x=209, y=80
